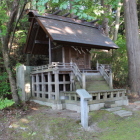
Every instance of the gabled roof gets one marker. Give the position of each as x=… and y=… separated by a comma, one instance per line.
x=65, y=31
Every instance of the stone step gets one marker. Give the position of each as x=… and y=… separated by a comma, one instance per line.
x=123, y=113
x=95, y=78
x=110, y=104
x=113, y=109
x=96, y=86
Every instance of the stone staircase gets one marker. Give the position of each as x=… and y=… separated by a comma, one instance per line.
x=95, y=82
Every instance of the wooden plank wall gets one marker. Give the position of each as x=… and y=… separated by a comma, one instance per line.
x=82, y=59
x=57, y=55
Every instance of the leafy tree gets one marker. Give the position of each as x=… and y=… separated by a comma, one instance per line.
x=9, y=18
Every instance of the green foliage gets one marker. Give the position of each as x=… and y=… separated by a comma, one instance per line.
x=5, y=103
x=85, y=9
x=117, y=59
x=120, y=63
x=4, y=91
x=4, y=85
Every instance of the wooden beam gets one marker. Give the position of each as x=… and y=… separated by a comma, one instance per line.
x=35, y=38
x=65, y=15
x=94, y=21
x=75, y=17
x=41, y=42
x=50, y=56
x=83, y=20
x=57, y=12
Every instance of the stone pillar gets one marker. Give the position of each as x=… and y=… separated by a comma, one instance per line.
x=85, y=96
x=24, y=82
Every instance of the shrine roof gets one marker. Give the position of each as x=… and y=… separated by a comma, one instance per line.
x=65, y=31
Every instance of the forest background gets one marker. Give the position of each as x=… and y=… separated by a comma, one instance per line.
x=112, y=18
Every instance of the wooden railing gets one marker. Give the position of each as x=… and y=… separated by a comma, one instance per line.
x=63, y=66
x=98, y=96
x=71, y=66
x=105, y=71
x=38, y=68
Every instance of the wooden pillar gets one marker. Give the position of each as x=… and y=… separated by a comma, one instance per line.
x=56, y=85
x=50, y=52
x=110, y=80
x=43, y=85
x=64, y=85
x=71, y=82
x=49, y=85
x=97, y=65
x=98, y=96
x=63, y=54
x=28, y=60
x=83, y=81
x=37, y=85
x=33, y=85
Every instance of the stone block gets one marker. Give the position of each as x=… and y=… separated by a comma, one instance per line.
x=113, y=109
x=96, y=106
x=123, y=113
x=110, y=104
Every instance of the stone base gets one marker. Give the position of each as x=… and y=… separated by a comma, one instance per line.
x=76, y=107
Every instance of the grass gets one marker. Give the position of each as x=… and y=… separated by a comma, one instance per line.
x=42, y=126
x=117, y=128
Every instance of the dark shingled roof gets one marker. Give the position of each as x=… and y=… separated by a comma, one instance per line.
x=63, y=30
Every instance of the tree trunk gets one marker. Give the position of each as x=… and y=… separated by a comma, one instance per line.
x=133, y=48
x=10, y=75
x=138, y=5
x=117, y=22
x=5, y=41
x=105, y=20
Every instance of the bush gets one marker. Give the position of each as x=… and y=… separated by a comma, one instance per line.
x=5, y=103
x=117, y=59
x=4, y=85
x=4, y=91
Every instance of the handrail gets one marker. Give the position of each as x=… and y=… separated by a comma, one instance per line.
x=71, y=66
x=106, y=72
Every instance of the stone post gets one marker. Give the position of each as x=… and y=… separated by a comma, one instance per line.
x=85, y=96
x=24, y=82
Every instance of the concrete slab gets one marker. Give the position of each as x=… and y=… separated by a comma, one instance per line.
x=113, y=109
x=123, y=113
x=137, y=102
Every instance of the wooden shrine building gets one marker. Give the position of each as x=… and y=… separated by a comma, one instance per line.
x=67, y=43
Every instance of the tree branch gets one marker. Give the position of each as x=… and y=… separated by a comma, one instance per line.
x=12, y=38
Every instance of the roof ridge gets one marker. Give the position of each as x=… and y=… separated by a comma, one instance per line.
x=67, y=19
x=62, y=18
